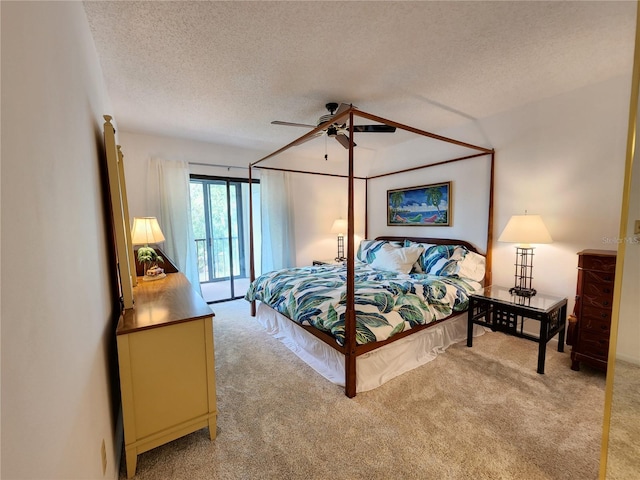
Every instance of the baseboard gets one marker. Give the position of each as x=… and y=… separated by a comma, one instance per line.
x=626, y=358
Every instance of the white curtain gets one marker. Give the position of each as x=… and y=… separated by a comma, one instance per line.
x=276, y=209
x=170, y=201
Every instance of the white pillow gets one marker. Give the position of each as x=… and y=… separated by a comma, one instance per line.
x=396, y=259
x=472, y=266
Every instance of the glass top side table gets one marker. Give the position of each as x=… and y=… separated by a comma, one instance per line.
x=495, y=307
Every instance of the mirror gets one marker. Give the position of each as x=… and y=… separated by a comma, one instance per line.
x=119, y=211
x=620, y=455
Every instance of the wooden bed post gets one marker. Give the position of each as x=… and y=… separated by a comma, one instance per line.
x=489, y=252
x=252, y=270
x=366, y=208
x=350, y=314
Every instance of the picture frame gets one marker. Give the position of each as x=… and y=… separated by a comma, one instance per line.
x=424, y=206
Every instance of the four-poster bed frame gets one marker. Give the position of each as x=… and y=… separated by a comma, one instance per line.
x=350, y=349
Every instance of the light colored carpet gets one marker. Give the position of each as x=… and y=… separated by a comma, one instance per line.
x=473, y=413
x=623, y=462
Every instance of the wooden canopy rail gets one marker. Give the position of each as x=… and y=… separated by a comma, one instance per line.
x=350, y=349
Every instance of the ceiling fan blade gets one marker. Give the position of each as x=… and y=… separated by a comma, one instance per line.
x=373, y=128
x=343, y=139
x=291, y=124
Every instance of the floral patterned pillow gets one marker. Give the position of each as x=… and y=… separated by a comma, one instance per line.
x=368, y=249
x=441, y=260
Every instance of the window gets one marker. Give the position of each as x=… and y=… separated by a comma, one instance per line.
x=220, y=216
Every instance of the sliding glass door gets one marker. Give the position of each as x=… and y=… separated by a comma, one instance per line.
x=219, y=210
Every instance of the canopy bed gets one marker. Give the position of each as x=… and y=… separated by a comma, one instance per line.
x=396, y=320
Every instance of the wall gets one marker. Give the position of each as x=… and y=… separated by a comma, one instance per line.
x=138, y=148
x=57, y=308
x=319, y=201
x=322, y=199
x=469, y=200
x=562, y=158
x=628, y=346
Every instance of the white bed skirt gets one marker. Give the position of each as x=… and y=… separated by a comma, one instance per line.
x=372, y=368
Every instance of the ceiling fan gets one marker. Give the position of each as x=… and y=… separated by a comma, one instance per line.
x=337, y=130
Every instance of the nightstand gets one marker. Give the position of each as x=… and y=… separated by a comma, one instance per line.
x=495, y=307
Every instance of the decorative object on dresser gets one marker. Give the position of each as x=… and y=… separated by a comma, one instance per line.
x=524, y=230
x=340, y=227
x=145, y=231
x=594, y=297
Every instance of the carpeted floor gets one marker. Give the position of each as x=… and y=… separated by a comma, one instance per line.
x=473, y=413
x=623, y=462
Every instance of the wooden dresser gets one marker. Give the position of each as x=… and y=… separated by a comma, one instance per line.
x=594, y=298
x=166, y=363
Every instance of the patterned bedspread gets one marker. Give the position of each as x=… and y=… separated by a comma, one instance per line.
x=386, y=303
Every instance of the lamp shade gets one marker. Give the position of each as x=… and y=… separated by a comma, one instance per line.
x=525, y=229
x=340, y=226
x=145, y=231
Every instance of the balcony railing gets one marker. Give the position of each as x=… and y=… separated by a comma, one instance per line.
x=219, y=267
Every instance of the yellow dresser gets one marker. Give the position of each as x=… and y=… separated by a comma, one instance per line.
x=166, y=362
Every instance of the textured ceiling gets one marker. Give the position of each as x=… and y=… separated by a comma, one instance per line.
x=222, y=71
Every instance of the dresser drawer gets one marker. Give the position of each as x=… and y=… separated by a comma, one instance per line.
x=596, y=320
x=595, y=326
x=599, y=263
x=597, y=301
x=594, y=345
x=602, y=280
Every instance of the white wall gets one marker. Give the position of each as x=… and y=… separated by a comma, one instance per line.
x=469, y=200
x=319, y=201
x=322, y=199
x=138, y=148
x=57, y=308
x=628, y=346
x=562, y=158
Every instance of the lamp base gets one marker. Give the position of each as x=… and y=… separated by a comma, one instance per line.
x=522, y=292
x=149, y=278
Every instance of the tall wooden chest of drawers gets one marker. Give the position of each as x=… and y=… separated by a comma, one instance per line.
x=594, y=298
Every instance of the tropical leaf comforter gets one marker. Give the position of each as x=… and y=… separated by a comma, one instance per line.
x=386, y=303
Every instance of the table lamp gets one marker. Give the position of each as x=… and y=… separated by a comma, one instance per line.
x=524, y=230
x=340, y=227
x=145, y=231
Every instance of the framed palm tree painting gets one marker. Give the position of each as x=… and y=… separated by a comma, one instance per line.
x=426, y=205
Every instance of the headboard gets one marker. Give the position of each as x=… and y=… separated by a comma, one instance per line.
x=435, y=241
